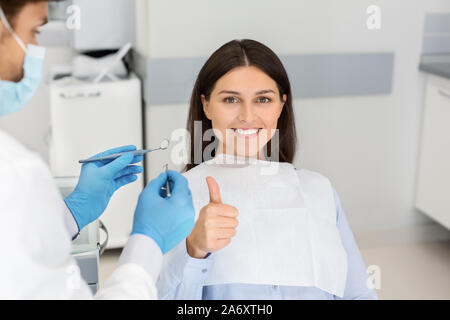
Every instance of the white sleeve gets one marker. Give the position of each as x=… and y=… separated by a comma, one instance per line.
x=142, y=250
x=128, y=281
x=138, y=268
x=71, y=224
x=36, y=261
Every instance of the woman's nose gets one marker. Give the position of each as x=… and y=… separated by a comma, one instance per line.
x=246, y=113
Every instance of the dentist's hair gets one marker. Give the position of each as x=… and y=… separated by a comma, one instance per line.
x=12, y=8
x=237, y=53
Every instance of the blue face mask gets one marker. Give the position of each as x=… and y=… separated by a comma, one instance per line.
x=14, y=95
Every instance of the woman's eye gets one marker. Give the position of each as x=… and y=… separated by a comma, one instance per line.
x=230, y=100
x=263, y=100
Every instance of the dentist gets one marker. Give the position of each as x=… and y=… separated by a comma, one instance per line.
x=37, y=225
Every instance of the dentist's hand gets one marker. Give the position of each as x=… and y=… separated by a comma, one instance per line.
x=167, y=220
x=215, y=226
x=98, y=182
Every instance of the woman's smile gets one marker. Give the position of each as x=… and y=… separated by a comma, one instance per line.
x=246, y=133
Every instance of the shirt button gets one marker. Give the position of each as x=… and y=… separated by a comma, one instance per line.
x=204, y=270
x=275, y=287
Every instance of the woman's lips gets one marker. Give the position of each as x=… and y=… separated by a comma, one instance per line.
x=246, y=133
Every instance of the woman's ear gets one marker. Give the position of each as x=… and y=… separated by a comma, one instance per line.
x=283, y=102
x=1, y=31
x=205, y=106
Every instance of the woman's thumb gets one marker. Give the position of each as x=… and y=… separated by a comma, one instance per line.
x=214, y=191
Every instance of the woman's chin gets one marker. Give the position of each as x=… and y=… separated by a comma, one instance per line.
x=247, y=153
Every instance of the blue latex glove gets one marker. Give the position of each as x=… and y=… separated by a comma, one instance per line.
x=167, y=220
x=98, y=182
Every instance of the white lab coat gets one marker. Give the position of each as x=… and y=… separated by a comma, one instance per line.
x=35, y=258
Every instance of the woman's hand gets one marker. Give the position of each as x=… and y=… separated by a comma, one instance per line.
x=215, y=226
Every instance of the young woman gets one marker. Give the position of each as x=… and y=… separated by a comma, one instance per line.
x=278, y=234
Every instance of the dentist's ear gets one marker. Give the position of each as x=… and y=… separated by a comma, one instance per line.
x=205, y=106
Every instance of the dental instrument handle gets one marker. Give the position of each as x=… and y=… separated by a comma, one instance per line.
x=168, y=193
x=116, y=155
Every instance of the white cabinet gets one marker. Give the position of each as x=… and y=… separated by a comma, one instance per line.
x=433, y=180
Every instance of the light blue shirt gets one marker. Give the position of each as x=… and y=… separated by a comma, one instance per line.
x=183, y=277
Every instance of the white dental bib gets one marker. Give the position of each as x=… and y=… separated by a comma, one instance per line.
x=287, y=233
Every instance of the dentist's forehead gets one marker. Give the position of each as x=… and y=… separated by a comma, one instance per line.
x=26, y=14
x=38, y=13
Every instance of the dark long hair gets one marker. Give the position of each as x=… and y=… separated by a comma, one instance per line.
x=234, y=54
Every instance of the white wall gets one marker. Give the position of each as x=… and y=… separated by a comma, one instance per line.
x=366, y=145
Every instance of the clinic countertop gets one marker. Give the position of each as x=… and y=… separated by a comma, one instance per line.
x=436, y=64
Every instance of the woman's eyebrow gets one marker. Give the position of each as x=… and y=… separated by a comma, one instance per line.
x=256, y=93
x=229, y=92
x=265, y=91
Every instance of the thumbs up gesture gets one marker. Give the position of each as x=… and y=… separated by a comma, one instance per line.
x=215, y=226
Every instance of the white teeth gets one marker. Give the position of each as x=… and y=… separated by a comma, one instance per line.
x=246, y=132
